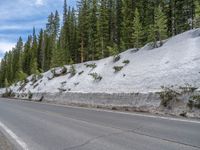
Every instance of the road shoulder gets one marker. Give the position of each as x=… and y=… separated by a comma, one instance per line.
x=5, y=144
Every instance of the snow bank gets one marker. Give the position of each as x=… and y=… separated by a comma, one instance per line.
x=175, y=63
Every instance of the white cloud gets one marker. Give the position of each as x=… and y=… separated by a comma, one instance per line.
x=39, y=2
x=6, y=46
x=23, y=25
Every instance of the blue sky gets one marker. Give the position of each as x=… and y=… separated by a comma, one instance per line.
x=17, y=18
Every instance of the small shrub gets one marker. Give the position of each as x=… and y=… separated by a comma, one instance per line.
x=135, y=50
x=35, y=85
x=114, y=108
x=30, y=95
x=190, y=104
x=63, y=83
x=40, y=76
x=187, y=88
x=116, y=58
x=113, y=50
x=194, y=101
x=41, y=99
x=26, y=80
x=167, y=96
x=80, y=72
x=21, y=75
x=34, y=79
x=8, y=93
x=183, y=114
x=96, y=76
x=117, y=68
x=23, y=84
x=64, y=70
x=93, y=65
x=126, y=62
x=76, y=83
x=62, y=90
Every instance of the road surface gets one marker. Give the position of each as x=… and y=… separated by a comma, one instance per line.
x=37, y=126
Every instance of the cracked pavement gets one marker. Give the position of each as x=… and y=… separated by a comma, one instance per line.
x=50, y=127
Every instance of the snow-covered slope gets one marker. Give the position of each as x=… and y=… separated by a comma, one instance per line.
x=177, y=62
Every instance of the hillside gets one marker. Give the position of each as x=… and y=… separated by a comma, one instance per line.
x=146, y=70
x=133, y=79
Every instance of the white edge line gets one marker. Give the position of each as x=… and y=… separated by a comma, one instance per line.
x=19, y=141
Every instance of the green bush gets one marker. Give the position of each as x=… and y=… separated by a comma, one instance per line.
x=126, y=62
x=24, y=81
x=8, y=93
x=190, y=104
x=194, y=102
x=93, y=65
x=34, y=86
x=21, y=75
x=30, y=95
x=116, y=58
x=62, y=90
x=80, y=72
x=96, y=76
x=167, y=96
x=187, y=88
x=34, y=79
x=113, y=50
x=117, y=68
x=23, y=84
x=76, y=83
x=40, y=76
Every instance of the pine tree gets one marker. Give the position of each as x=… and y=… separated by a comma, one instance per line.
x=197, y=14
x=170, y=13
x=55, y=60
x=56, y=24
x=103, y=29
x=74, y=39
x=160, y=25
x=33, y=58
x=65, y=12
x=97, y=29
x=152, y=35
x=63, y=39
x=83, y=29
x=127, y=13
x=112, y=23
x=137, y=35
x=40, y=54
x=27, y=56
x=50, y=37
x=93, y=32
x=6, y=84
x=33, y=66
x=119, y=26
x=17, y=58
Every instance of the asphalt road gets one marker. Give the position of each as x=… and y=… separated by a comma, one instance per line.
x=48, y=127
